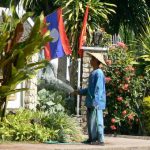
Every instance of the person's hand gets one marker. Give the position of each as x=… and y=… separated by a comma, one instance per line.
x=75, y=92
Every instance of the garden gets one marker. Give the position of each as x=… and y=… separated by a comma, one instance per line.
x=127, y=72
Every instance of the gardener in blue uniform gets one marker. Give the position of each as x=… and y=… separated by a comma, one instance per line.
x=95, y=100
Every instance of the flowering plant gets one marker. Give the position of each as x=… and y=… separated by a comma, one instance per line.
x=125, y=92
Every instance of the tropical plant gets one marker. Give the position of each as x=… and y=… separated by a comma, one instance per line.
x=145, y=42
x=125, y=92
x=27, y=125
x=19, y=126
x=132, y=16
x=146, y=114
x=15, y=54
x=50, y=101
x=74, y=14
x=67, y=127
x=38, y=6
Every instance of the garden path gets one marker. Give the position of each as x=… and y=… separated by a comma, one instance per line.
x=112, y=143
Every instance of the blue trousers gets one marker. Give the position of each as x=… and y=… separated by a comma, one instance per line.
x=95, y=124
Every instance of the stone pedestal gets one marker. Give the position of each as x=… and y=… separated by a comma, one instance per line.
x=30, y=96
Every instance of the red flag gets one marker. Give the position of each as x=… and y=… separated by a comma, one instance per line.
x=82, y=38
x=59, y=46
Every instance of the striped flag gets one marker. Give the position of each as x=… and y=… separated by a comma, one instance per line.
x=82, y=38
x=59, y=46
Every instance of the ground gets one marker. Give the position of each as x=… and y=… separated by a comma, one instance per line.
x=111, y=143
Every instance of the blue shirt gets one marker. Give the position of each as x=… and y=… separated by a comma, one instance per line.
x=95, y=92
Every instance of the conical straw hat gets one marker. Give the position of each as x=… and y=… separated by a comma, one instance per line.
x=98, y=56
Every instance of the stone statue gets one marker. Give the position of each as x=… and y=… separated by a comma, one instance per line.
x=98, y=36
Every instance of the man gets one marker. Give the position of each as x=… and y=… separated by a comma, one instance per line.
x=95, y=100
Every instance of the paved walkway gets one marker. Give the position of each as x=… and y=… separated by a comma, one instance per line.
x=112, y=143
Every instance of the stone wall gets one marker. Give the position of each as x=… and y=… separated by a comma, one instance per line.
x=30, y=96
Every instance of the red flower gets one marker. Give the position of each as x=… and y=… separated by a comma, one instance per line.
x=108, y=79
x=130, y=117
x=125, y=87
x=121, y=44
x=124, y=112
x=113, y=120
x=113, y=127
x=119, y=99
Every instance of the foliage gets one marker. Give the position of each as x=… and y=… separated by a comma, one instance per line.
x=145, y=42
x=106, y=40
x=53, y=100
x=125, y=92
x=15, y=53
x=131, y=15
x=74, y=14
x=38, y=6
x=50, y=101
x=101, y=38
x=67, y=127
x=18, y=127
x=27, y=125
x=146, y=114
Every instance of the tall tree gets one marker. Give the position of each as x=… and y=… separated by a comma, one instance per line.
x=131, y=16
x=74, y=13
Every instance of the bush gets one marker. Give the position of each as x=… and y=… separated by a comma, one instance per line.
x=18, y=127
x=27, y=125
x=53, y=101
x=125, y=92
x=146, y=114
x=67, y=127
x=50, y=101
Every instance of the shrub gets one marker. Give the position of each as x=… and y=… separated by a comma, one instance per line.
x=125, y=92
x=53, y=101
x=146, y=114
x=18, y=127
x=27, y=125
x=67, y=127
x=50, y=101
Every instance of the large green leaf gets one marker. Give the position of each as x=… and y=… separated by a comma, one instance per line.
x=15, y=62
